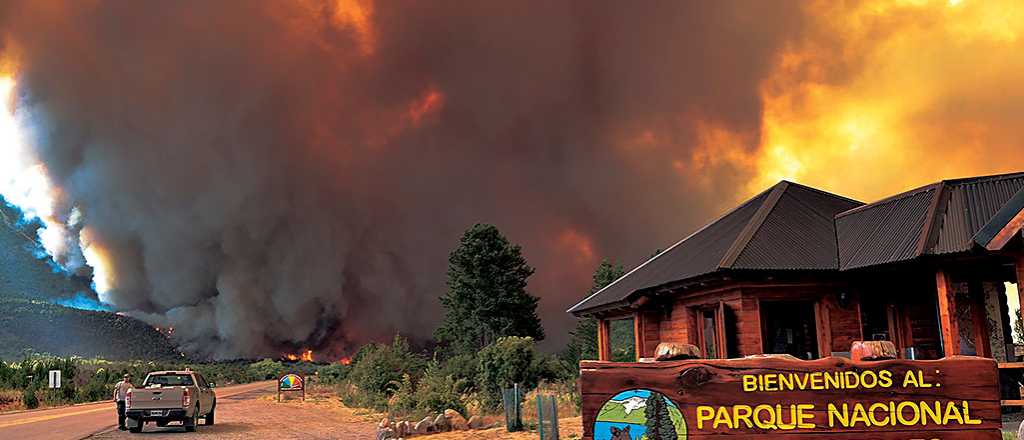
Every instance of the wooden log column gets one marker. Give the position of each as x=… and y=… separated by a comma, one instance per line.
x=638, y=334
x=1020, y=281
x=947, y=314
x=604, y=347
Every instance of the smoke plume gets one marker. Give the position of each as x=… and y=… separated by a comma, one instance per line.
x=267, y=176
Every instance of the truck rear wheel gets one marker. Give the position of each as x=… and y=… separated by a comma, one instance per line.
x=190, y=425
x=134, y=426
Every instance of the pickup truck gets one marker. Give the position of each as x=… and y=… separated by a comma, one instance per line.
x=171, y=396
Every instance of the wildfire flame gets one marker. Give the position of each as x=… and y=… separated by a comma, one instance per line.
x=305, y=356
x=345, y=361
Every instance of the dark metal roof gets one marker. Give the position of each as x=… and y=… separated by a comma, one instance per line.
x=937, y=219
x=788, y=227
x=972, y=204
x=794, y=227
x=883, y=232
x=1000, y=219
x=798, y=234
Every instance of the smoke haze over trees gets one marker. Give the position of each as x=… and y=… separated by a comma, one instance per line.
x=280, y=177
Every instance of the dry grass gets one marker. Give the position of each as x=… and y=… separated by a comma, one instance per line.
x=10, y=400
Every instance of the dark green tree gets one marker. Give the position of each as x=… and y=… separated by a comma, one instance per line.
x=659, y=422
x=487, y=297
x=583, y=339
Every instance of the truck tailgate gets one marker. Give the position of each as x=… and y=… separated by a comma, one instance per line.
x=156, y=398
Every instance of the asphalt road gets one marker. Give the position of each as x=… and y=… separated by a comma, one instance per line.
x=81, y=421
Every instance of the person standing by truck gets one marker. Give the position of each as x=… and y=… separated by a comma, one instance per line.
x=120, y=394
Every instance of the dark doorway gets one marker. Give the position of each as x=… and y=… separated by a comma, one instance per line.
x=789, y=328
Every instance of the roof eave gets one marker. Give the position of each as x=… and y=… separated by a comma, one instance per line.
x=1003, y=225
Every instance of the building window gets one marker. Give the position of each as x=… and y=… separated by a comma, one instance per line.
x=709, y=332
x=715, y=331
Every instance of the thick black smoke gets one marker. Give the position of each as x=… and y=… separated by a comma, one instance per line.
x=272, y=175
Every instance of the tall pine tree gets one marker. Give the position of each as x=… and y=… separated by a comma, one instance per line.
x=659, y=422
x=583, y=339
x=487, y=297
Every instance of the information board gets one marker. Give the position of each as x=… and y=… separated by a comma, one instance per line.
x=785, y=398
x=291, y=382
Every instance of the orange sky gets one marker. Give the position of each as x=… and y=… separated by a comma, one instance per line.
x=885, y=96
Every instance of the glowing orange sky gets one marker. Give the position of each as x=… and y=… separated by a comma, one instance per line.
x=892, y=95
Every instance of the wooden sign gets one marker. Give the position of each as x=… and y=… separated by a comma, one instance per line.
x=784, y=398
x=291, y=382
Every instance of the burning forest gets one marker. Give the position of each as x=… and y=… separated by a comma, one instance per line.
x=287, y=180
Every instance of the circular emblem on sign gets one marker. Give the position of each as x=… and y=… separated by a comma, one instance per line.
x=640, y=414
x=291, y=382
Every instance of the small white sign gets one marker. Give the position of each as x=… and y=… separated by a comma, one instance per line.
x=54, y=378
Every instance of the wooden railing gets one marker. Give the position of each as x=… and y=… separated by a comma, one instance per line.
x=1015, y=370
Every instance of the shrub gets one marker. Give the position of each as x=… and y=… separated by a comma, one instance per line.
x=381, y=368
x=403, y=400
x=463, y=369
x=265, y=369
x=508, y=361
x=333, y=374
x=354, y=397
x=438, y=390
x=28, y=397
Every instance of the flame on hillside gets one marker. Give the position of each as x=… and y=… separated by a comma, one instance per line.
x=305, y=356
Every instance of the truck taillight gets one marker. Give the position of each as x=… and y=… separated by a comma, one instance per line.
x=128, y=399
x=186, y=398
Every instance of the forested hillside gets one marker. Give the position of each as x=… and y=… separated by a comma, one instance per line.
x=40, y=327
x=31, y=322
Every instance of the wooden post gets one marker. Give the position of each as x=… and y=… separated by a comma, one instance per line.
x=823, y=324
x=604, y=349
x=1020, y=283
x=638, y=334
x=947, y=315
x=982, y=347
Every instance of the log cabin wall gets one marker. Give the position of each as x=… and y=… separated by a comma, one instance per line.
x=837, y=325
x=843, y=315
x=651, y=331
x=747, y=325
x=675, y=325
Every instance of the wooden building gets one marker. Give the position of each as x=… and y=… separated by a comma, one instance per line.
x=801, y=271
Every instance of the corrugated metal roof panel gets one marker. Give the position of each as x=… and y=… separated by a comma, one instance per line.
x=883, y=232
x=799, y=233
x=971, y=204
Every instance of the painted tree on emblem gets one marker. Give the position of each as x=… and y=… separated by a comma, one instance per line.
x=659, y=422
